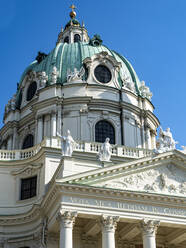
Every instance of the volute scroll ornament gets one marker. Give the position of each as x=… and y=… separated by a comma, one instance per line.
x=109, y=223
x=149, y=227
x=67, y=218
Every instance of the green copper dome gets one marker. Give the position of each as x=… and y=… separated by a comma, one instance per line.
x=69, y=56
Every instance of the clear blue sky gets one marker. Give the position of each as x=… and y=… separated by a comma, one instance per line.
x=151, y=34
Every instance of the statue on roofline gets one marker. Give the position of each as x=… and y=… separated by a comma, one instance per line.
x=67, y=144
x=105, y=152
x=165, y=141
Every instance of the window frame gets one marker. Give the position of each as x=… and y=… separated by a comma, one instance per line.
x=35, y=177
x=29, y=98
x=79, y=38
x=106, y=136
x=25, y=140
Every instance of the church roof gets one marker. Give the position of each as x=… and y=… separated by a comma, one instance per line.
x=69, y=56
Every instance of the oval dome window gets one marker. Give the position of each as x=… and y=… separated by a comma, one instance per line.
x=103, y=74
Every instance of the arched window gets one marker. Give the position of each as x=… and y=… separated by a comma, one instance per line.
x=77, y=38
x=66, y=40
x=28, y=141
x=31, y=91
x=103, y=130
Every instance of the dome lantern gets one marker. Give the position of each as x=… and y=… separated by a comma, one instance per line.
x=73, y=31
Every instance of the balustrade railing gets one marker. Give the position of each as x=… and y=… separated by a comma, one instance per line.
x=80, y=146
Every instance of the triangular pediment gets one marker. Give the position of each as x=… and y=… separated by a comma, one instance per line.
x=162, y=174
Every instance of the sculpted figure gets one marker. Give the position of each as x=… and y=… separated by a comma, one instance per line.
x=43, y=79
x=165, y=141
x=13, y=102
x=54, y=75
x=145, y=91
x=105, y=152
x=75, y=75
x=67, y=144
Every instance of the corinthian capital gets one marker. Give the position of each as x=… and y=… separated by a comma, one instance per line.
x=149, y=227
x=109, y=223
x=67, y=218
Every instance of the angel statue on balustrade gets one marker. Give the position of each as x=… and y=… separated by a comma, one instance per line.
x=67, y=144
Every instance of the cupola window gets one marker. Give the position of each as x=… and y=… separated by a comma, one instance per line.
x=66, y=40
x=77, y=38
x=28, y=187
x=103, y=74
x=103, y=130
x=31, y=91
x=28, y=141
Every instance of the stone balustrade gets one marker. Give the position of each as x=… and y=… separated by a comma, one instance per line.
x=81, y=146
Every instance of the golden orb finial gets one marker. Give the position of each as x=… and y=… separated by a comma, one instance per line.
x=72, y=13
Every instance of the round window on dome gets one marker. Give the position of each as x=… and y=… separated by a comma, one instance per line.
x=103, y=74
x=31, y=91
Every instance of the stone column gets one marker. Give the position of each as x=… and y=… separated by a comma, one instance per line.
x=108, y=226
x=149, y=228
x=66, y=220
x=39, y=129
x=53, y=125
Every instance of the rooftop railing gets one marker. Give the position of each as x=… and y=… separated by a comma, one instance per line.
x=80, y=146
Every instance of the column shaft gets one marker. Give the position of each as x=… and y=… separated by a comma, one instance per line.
x=66, y=220
x=108, y=225
x=149, y=228
x=66, y=238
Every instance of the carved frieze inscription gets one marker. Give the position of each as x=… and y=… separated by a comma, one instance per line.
x=134, y=207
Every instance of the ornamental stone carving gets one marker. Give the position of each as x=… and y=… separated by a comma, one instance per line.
x=67, y=219
x=127, y=83
x=145, y=91
x=105, y=152
x=54, y=75
x=43, y=78
x=165, y=141
x=149, y=227
x=168, y=179
x=75, y=75
x=109, y=223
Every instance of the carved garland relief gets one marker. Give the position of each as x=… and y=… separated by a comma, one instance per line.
x=165, y=180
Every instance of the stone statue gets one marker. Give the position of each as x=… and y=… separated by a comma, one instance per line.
x=43, y=79
x=127, y=83
x=40, y=57
x=13, y=102
x=54, y=75
x=165, y=141
x=105, y=152
x=67, y=144
x=184, y=149
x=75, y=75
x=145, y=91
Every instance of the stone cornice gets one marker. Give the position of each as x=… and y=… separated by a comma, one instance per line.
x=128, y=167
x=28, y=170
x=31, y=215
x=126, y=195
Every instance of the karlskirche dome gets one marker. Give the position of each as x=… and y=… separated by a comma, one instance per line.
x=84, y=86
